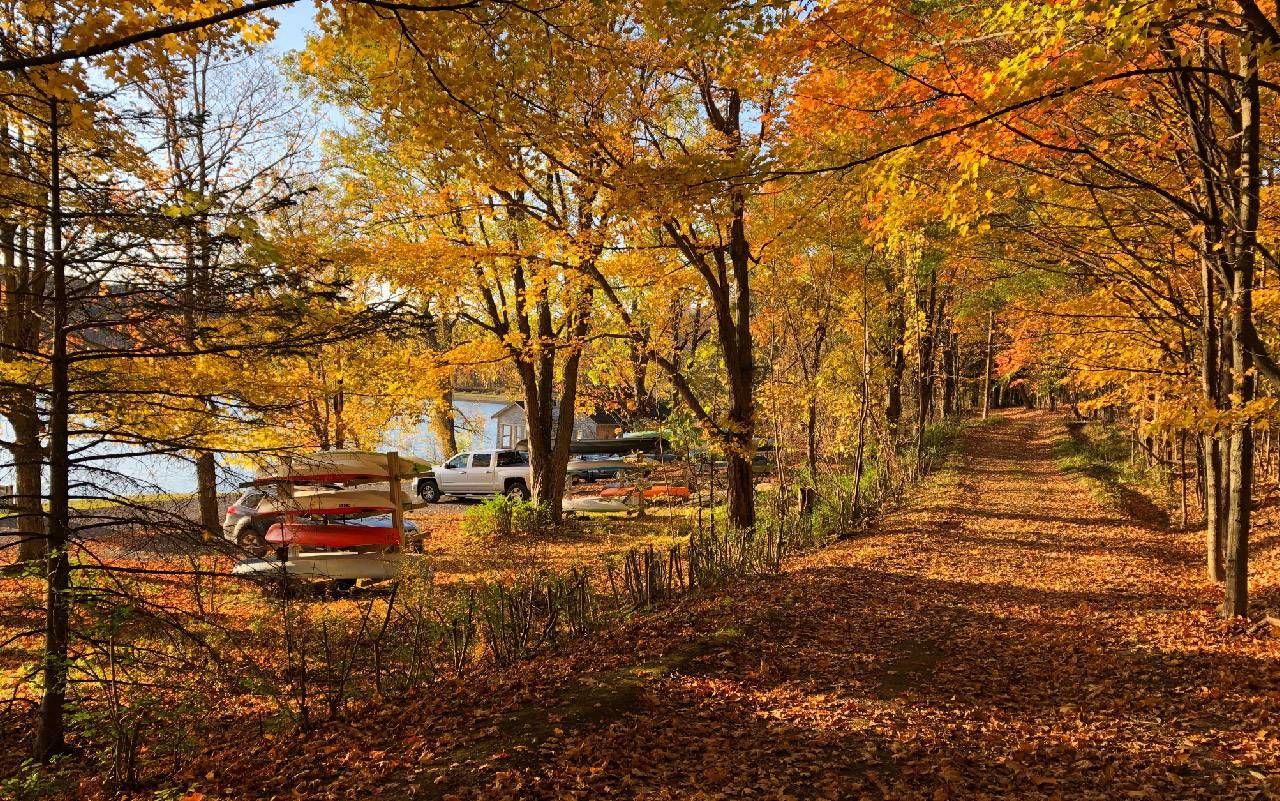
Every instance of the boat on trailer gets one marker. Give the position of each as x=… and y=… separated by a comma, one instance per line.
x=306, y=534
x=330, y=502
x=328, y=565
x=650, y=493
x=319, y=505
x=340, y=467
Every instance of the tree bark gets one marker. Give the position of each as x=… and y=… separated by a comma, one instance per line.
x=926, y=301
x=986, y=373
x=207, y=492
x=948, y=372
x=51, y=728
x=28, y=463
x=897, y=360
x=550, y=421
x=1241, y=458
x=859, y=461
x=1214, y=486
x=442, y=425
x=739, y=363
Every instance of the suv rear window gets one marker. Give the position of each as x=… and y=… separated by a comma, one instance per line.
x=249, y=500
x=512, y=459
x=480, y=460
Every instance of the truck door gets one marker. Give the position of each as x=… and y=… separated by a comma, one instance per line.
x=481, y=476
x=453, y=476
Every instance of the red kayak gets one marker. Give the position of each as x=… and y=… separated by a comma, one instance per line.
x=656, y=491
x=331, y=535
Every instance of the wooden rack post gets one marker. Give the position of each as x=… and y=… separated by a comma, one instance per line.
x=397, y=500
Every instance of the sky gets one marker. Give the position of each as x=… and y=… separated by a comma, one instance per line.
x=296, y=21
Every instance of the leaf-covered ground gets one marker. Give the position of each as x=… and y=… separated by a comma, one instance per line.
x=1007, y=636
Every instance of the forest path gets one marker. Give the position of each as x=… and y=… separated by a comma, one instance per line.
x=1006, y=636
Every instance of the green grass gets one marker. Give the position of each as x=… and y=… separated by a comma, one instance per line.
x=1101, y=455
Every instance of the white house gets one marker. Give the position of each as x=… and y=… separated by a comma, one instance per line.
x=513, y=425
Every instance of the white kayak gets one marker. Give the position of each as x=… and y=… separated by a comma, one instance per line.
x=327, y=564
x=595, y=503
x=340, y=467
x=316, y=502
x=618, y=462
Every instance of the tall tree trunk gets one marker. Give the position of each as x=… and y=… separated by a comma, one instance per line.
x=1241, y=458
x=739, y=362
x=864, y=402
x=925, y=302
x=550, y=422
x=442, y=425
x=28, y=463
x=811, y=439
x=896, y=360
x=986, y=373
x=642, y=400
x=207, y=492
x=1215, y=522
x=948, y=372
x=51, y=729
x=811, y=371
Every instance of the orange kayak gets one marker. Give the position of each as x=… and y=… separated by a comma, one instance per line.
x=331, y=535
x=656, y=491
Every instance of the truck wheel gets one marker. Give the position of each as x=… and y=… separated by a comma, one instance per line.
x=429, y=490
x=518, y=491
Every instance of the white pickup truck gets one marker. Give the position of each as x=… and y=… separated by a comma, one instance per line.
x=478, y=473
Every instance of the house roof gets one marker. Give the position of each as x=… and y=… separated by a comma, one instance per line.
x=509, y=407
x=597, y=417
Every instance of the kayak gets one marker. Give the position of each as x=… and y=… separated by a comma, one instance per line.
x=327, y=565
x=331, y=535
x=656, y=491
x=613, y=463
x=330, y=503
x=594, y=503
x=339, y=467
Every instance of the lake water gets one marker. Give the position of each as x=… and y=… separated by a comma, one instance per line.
x=144, y=474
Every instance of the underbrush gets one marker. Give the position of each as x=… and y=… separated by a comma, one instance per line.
x=501, y=516
x=940, y=441
x=1103, y=455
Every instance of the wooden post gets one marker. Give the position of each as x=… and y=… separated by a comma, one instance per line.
x=397, y=499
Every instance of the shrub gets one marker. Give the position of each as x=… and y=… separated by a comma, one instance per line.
x=502, y=517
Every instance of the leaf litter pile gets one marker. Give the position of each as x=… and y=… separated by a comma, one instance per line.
x=1008, y=635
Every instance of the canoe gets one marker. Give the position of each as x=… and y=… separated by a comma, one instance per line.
x=595, y=503
x=330, y=503
x=327, y=565
x=656, y=491
x=330, y=535
x=339, y=467
x=615, y=462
